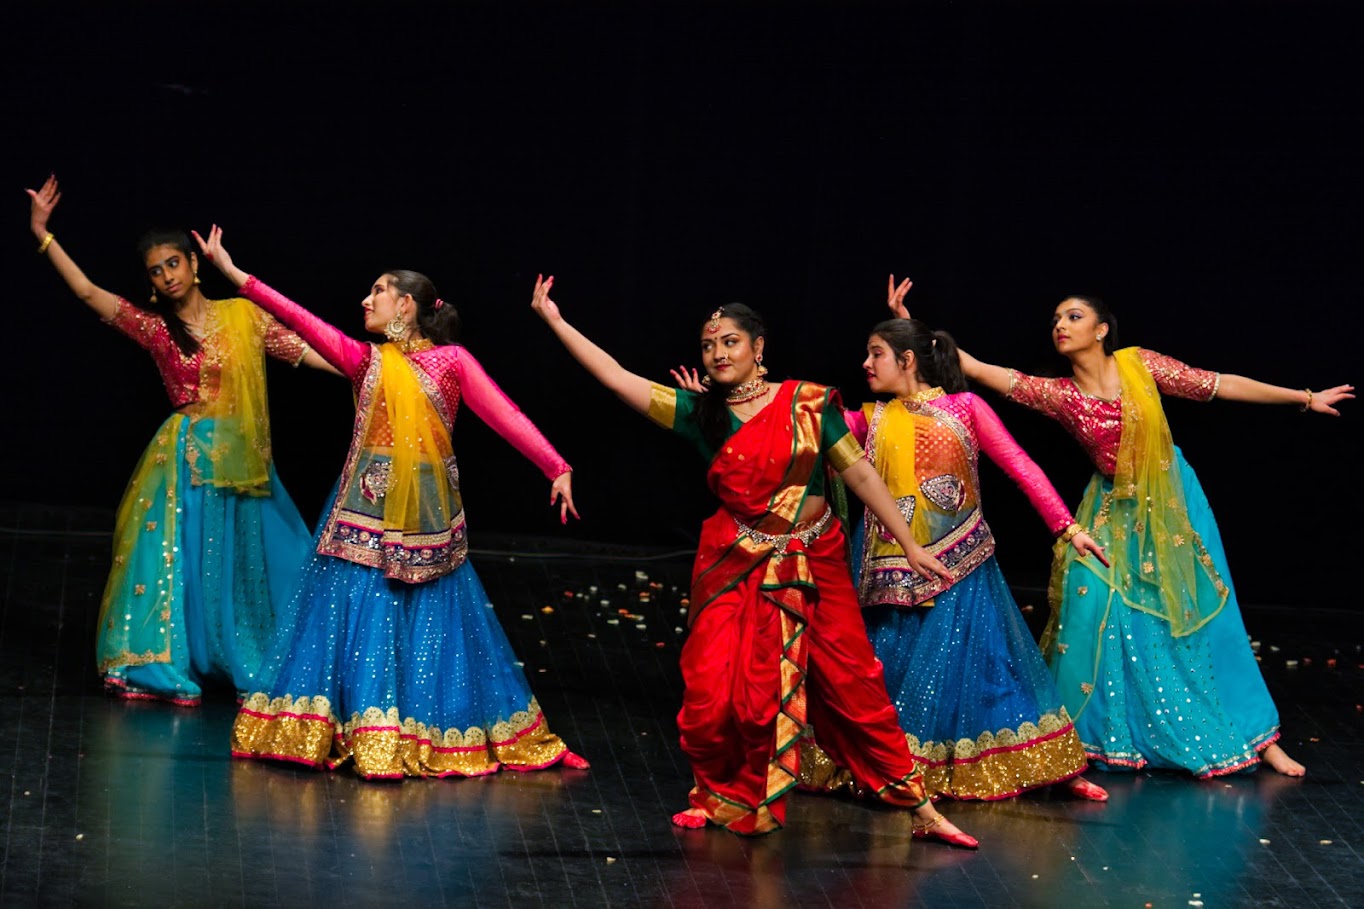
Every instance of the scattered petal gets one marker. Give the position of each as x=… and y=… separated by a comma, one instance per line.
x=610, y=860
x=527, y=618
x=596, y=811
x=547, y=610
x=1264, y=842
x=80, y=836
x=1326, y=842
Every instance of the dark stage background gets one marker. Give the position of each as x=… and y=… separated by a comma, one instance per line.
x=1195, y=164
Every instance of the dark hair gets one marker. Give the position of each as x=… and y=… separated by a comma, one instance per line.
x=1105, y=316
x=935, y=352
x=440, y=322
x=712, y=412
x=179, y=240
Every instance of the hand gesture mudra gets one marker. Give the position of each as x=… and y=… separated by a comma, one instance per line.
x=546, y=308
x=1324, y=401
x=688, y=379
x=42, y=202
x=895, y=297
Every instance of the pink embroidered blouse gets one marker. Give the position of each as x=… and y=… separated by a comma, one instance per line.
x=182, y=375
x=993, y=439
x=450, y=367
x=1097, y=424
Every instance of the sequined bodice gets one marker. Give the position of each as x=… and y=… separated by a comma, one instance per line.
x=186, y=378
x=1097, y=423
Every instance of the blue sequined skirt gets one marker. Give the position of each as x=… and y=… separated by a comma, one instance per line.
x=202, y=577
x=402, y=679
x=1141, y=697
x=978, y=706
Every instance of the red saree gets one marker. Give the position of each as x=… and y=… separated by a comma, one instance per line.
x=777, y=639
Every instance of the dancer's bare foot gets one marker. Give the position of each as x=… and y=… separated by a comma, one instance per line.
x=692, y=819
x=1277, y=758
x=928, y=824
x=1084, y=789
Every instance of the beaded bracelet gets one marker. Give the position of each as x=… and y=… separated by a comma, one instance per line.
x=1306, y=405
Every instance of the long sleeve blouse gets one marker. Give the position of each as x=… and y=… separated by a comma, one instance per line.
x=1096, y=423
x=450, y=367
x=184, y=376
x=999, y=445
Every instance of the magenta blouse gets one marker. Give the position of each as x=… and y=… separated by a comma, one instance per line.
x=451, y=368
x=180, y=374
x=1096, y=423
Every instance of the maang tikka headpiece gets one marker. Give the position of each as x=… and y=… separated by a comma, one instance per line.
x=714, y=324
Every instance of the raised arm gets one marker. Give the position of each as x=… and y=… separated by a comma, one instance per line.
x=335, y=346
x=634, y=390
x=1240, y=388
x=995, y=378
x=43, y=201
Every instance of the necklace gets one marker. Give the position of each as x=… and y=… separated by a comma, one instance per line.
x=922, y=395
x=415, y=344
x=748, y=391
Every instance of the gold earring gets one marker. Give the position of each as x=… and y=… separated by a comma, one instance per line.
x=762, y=370
x=153, y=296
x=196, y=277
x=396, y=329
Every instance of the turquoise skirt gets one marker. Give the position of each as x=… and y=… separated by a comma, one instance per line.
x=1141, y=697
x=202, y=578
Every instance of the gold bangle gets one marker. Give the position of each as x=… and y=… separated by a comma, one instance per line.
x=1069, y=533
x=1306, y=405
x=47, y=241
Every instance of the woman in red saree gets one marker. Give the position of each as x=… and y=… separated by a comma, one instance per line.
x=776, y=636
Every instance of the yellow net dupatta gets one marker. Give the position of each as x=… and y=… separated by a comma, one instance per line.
x=231, y=427
x=1160, y=565
x=938, y=499
x=398, y=507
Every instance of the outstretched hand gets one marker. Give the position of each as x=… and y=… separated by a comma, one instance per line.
x=688, y=379
x=561, y=494
x=42, y=202
x=895, y=297
x=546, y=308
x=1084, y=544
x=1324, y=401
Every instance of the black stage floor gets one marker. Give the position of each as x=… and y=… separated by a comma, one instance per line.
x=134, y=804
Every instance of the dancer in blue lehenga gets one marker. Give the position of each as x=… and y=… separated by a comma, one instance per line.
x=207, y=543
x=1150, y=653
x=974, y=697
x=395, y=660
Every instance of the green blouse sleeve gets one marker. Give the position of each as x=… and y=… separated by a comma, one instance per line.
x=675, y=409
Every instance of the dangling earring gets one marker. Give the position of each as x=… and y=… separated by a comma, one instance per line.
x=705, y=380
x=396, y=329
x=762, y=370
x=196, y=277
x=153, y=296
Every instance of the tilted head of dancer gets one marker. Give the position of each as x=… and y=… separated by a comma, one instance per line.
x=173, y=270
x=732, y=342
x=404, y=306
x=1080, y=323
x=905, y=355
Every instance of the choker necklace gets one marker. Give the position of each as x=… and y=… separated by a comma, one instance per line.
x=414, y=345
x=919, y=397
x=748, y=391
